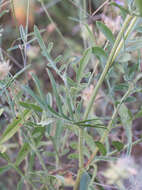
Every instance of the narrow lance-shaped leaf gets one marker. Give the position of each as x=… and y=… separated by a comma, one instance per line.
x=118, y=145
x=50, y=46
x=83, y=62
x=31, y=106
x=101, y=148
x=84, y=121
x=105, y=158
x=86, y=124
x=37, y=98
x=58, y=99
x=106, y=31
x=22, y=153
x=127, y=124
x=42, y=45
x=38, y=133
x=100, y=54
x=4, y=156
x=93, y=126
x=37, y=83
x=40, y=102
x=46, y=52
x=69, y=103
x=39, y=38
x=14, y=126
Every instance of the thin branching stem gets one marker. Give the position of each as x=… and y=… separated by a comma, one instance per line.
x=110, y=124
x=115, y=53
x=127, y=26
x=109, y=62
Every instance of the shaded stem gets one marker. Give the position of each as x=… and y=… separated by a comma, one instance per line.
x=129, y=21
x=81, y=160
x=108, y=65
x=109, y=127
x=82, y=16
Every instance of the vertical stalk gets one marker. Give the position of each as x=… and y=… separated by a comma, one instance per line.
x=80, y=143
x=129, y=29
x=108, y=64
x=82, y=17
x=109, y=127
x=81, y=161
x=130, y=21
x=127, y=26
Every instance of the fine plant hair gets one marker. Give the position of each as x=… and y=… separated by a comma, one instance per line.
x=57, y=138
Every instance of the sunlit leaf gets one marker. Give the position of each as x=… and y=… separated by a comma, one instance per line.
x=118, y=145
x=101, y=148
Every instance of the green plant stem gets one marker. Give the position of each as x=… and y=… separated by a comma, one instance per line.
x=83, y=15
x=108, y=64
x=80, y=148
x=126, y=146
x=80, y=131
x=127, y=26
x=94, y=174
x=109, y=127
x=116, y=110
x=129, y=29
x=81, y=160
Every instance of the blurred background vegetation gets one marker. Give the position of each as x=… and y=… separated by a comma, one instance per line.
x=69, y=26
